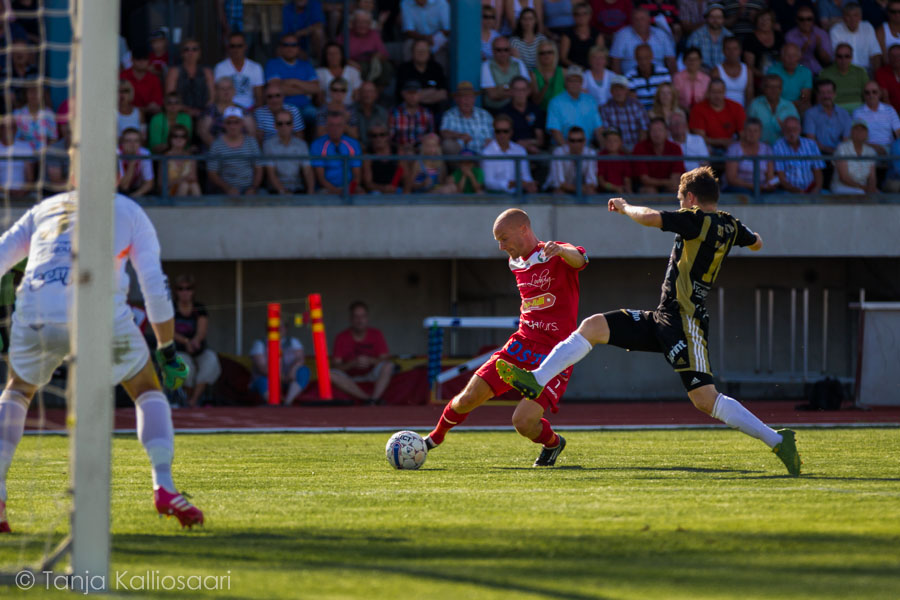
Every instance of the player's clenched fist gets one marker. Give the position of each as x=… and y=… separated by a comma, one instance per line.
x=174, y=369
x=617, y=205
x=552, y=249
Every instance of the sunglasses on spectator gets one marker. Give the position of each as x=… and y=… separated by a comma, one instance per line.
x=338, y=89
x=273, y=95
x=378, y=134
x=502, y=49
x=487, y=15
x=290, y=44
x=191, y=49
x=179, y=136
x=235, y=45
x=502, y=130
x=804, y=18
x=232, y=121
x=283, y=123
x=871, y=92
x=185, y=288
x=843, y=56
x=576, y=140
x=545, y=52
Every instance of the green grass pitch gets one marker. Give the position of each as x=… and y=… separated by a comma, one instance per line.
x=690, y=514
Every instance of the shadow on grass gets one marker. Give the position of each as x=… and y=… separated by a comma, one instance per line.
x=623, y=469
x=826, y=477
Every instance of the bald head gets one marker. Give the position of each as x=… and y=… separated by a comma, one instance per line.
x=512, y=230
x=513, y=217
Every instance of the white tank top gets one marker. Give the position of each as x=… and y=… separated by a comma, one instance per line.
x=889, y=38
x=735, y=87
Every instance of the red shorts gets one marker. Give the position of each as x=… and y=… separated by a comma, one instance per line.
x=527, y=355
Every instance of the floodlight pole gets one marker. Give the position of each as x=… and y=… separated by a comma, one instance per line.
x=90, y=409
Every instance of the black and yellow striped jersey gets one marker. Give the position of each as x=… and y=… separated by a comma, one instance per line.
x=702, y=241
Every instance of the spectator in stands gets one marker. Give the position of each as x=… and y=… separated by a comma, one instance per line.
x=428, y=174
x=17, y=173
x=563, y=173
x=128, y=115
x=430, y=75
x=161, y=124
x=489, y=31
x=848, y=78
x=888, y=76
x=813, y=41
x=646, y=76
x=860, y=35
x=528, y=119
x=306, y=21
x=231, y=167
x=740, y=16
x=181, y=173
x=382, y=175
x=35, y=124
x=881, y=119
x=739, y=173
x=231, y=16
x=614, y=175
x=336, y=66
x=573, y=107
x=548, y=78
x=22, y=59
x=288, y=175
x=665, y=102
x=361, y=355
x=148, y=94
x=468, y=176
x=194, y=83
x=526, y=38
x=796, y=79
x=427, y=20
x=500, y=175
x=668, y=11
x=368, y=50
x=299, y=80
x=717, y=119
x=611, y=15
x=691, y=14
x=212, y=123
x=734, y=73
x=875, y=12
x=708, y=39
x=514, y=9
x=294, y=374
x=56, y=163
x=265, y=115
x=691, y=83
x=826, y=123
x=496, y=74
x=691, y=144
x=786, y=13
x=597, y=78
x=135, y=174
x=410, y=122
x=159, y=54
x=335, y=142
x=367, y=111
x=625, y=113
x=889, y=33
x=640, y=32
x=829, y=13
x=558, y=16
x=657, y=176
x=892, y=180
x=247, y=75
x=772, y=109
x=191, y=329
x=466, y=125
x=855, y=176
x=797, y=176
x=26, y=19
x=577, y=41
x=762, y=48
x=338, y=90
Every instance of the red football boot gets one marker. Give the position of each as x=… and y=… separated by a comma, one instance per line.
x=4, y=524
x=169, y=504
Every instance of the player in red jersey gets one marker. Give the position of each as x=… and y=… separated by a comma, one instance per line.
x=547, y=277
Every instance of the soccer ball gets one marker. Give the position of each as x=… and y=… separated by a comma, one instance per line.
x=406, y=450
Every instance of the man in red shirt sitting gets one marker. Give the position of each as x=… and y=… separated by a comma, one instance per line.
x=718, y=119
x=657, y=176
x=360, y=354
x=148, y=95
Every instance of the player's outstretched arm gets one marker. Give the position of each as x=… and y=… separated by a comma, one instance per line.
x=639, y=214
x=569, y=253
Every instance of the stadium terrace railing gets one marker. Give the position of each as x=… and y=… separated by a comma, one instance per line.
x=163, y=198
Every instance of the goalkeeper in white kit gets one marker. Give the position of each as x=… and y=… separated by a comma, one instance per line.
x=39, y=337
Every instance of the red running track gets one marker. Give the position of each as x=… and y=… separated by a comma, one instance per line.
x=613, y=414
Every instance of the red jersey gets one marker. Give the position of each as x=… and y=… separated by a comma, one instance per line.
x=147, y=90
x=346, y=347
x=549, y=290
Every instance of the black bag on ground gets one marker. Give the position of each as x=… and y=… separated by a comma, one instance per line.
x=826, y=394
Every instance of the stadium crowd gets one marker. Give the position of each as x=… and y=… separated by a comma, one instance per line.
x=604, y=80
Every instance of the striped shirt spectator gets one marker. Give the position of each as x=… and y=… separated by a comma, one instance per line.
x=265, y=120
x=644, y=84
x=233, y=164
x=799, y=174
x=881, y=119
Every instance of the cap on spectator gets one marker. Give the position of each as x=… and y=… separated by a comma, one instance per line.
x=466, y=87
x=619, y=80
x=712, y=7
x=612, y=131
x=232, y=111
x=158, y=34
x=412, y=84
x=466, y=152
x=860, y=123
x=574, y=71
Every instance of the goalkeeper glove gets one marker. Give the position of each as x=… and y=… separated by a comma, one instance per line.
x=174, y=369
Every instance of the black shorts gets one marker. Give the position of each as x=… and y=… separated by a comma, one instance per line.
x=681, y=339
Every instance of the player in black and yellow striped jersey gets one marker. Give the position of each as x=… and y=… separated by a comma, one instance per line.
x=678, y=327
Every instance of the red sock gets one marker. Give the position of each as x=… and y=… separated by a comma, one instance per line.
x=547, y=437
x=449, y=419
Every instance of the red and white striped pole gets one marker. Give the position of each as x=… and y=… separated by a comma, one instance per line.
x=274, y=329
x=320, y=346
